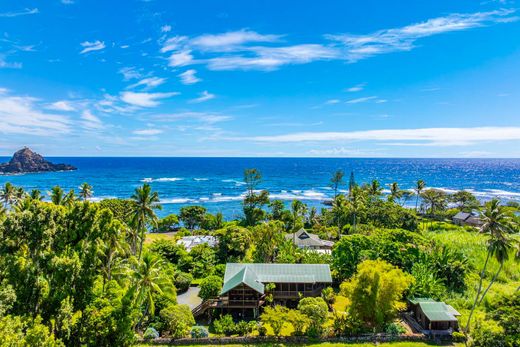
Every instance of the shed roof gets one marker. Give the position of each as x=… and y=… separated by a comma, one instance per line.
x=303, y=238
x=438, y=311
x=462, y=216
x=256, y=275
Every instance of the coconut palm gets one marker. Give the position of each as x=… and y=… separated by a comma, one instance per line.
x=145, y=202
x=298, y=210
x=57, y=195
x=356, y=204
x=419, y=187
x=85, y=191
x=336, y=181
x=395, y=192
x=70, y=198
x=8, y=194
x=36, y=194
x=497, y=224
x=374, y=189
x=147, y=279
x=111, y=245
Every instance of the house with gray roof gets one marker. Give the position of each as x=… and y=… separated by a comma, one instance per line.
x=434, y=316
x=304, y=239
x=246, y=286
x=191, y=241
x=465, y=218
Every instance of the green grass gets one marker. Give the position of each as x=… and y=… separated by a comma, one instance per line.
x=151, y=237
x=332, y=344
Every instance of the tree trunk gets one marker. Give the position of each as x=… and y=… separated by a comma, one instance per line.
x=491, y=283
x=478, y=293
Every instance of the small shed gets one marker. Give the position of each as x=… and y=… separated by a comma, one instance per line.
x=465, y=218
x=434, y=315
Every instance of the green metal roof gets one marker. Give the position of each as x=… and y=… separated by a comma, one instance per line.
x=438, y=311
x=245, y=276
x=256, y=275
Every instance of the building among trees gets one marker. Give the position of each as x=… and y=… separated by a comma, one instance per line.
x=464, y=218
x=304, y=239
x=434, y=316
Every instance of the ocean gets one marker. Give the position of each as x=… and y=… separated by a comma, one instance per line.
x=217, y=183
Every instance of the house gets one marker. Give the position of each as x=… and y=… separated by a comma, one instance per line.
x=191, y=241
x=304, y=239
x=245, y=287
x=434, y=316
x=464, y=218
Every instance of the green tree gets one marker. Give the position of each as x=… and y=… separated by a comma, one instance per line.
x=192, y=216
x=167, y=223
x=267, y=237
x=497, y=225
x=298, y=211
x=57, y=195
x=465, y=201
x=8, y=194
x=253, y=201
x=178, y=320
x=435, y=199
x=36, y=194
x=234, y=241
x=395, y=192
x=317, y=310
x=419, y=187
x=375, y=293
x=336, y=181
x=374, y=190
x=210, y=287
x=426, y=284
x=145, y=203
x=276, y=317
x=347, y=253
x=298, y=320
x=85, y=191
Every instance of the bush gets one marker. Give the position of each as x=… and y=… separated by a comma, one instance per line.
x=488, y=334
x=183, y=281
x=395, y=329
x=262, y=330
x=458, y=337
x=178, y=319
x=224, y=325
x=198, y=332
x=210, y=287
x=150, y=334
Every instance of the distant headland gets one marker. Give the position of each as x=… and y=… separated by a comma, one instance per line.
x=26, y=161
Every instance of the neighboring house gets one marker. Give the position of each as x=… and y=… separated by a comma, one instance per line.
x=304, y=239
x=244, y=289
x=464, y=218
x=191, y=241
x=434, y=316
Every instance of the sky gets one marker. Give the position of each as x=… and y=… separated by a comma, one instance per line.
x=261, y=78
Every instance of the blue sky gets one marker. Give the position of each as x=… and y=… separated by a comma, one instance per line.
x=261, y=78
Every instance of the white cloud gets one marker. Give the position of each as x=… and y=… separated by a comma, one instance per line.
x=188, y=77
x=24, y=12
x=332, y=101
x=357, y=47
x=356, y=88
x=229, y=40
x=145, y=99
x=61, y=105
x=147, y=132
x=92, y=46
x=173, y=43
x=204, y=96
x=166, y=28
x=412, y=137
x=91, y=122
x=20, y=115
x=148, y=83
x=208, y=118
x=360, y=100
x=180, y=59
x=9, y=65
x=129, y=73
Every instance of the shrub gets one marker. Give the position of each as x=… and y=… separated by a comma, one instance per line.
x=243, y=328
x=198, y=332
x=458, y=337
x=488, y=334
x=262, y=330
x=210, y=287
x=178, y=319
x=150, y=334
x=183, y=281
x=395, y=329
x=224, y=325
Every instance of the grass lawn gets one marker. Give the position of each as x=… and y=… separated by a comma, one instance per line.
x=151, y=237
x=330, y=344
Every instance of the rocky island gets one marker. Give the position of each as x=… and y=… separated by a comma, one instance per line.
x=25, y=161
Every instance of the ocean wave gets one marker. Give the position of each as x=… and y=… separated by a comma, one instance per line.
x=178, y=201
x=161, y=179
x=236, y=182
x=201, y=179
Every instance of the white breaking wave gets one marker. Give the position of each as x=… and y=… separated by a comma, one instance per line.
x=161, y=179
x=236, y=182
x=201, y=179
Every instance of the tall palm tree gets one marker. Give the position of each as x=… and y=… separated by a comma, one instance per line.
x=70, y=198
x=85, y=191
x=336, y=181
x=419, y=187
x=57, y=195
x=374, y=189
x=112, y=245
x=143, y=214
x=147, y=279
x=36, y=194
x=298, y=210
x=8, y=194
x=356, y=203
x=395, y=192
x=435, y=199
x=497, y=224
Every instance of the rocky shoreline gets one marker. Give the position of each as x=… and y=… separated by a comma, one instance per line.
x=27, y=161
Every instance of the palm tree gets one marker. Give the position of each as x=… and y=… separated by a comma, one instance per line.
x=70, y=198
x=375, y=189
x=85, y=191
x=298, y=210
x=336, y=181
x=111, y=246
x=395, y=192
x=339, y=212
x=419, y=187
x=57, y=195
x=356, y=203
x=436, y=199
x=148, y=279
x=36, y=194
x=497, y=224
x=8, y=194
x=145, y=202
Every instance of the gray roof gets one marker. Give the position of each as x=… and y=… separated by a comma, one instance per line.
x=439, y=311
x=462, y=216
x=302, y=238
x=256, y=275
